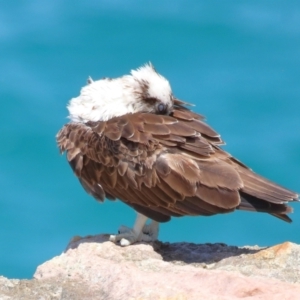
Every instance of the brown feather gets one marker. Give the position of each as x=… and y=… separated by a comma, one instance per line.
x=203, y=128
x=187, y=209
x=166, y=166
x=151, y=213
x=263, y=188
x=181, y=129
x=252, y=203
x=219, y=174
x=219, y=197
x=179, y=107
x=130, y=177
x=77, y=164
x=99, y=127
x=203, y=151
x=176, y=138
x=165, y=142
x=183, y=166
x=158, y=197
x=121, y=183
x=72, y=153
x=182, y=115
x=161, y=210
x=128, y=130
x=179, y=184
x=157, y=129
x=122, y=168
x=137, y=137
x=173, y=195
x=112, y=132
x=206, y=207
x=152, y=119
x=192, y=209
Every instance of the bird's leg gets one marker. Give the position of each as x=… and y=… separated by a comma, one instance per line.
x=128, y=236
x=152, y=230
x=149, y=231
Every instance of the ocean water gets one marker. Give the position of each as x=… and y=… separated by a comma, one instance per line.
x=237, y=61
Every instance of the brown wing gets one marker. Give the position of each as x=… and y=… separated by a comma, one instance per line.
x=165, y=166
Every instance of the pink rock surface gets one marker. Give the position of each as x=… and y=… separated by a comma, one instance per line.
x=139, y=272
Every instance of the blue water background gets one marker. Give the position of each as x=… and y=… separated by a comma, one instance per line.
x=238, y=61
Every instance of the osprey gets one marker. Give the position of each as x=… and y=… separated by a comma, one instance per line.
x=130, y=138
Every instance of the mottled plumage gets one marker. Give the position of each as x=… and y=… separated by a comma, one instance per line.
x=164, y=165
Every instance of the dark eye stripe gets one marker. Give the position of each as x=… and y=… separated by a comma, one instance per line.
x=151, y=100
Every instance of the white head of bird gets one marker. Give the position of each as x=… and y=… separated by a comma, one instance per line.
x=144, y=90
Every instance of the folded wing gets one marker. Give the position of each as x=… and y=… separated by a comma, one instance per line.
x=166, y=166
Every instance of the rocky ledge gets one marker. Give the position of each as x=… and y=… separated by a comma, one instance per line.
x=94, y=268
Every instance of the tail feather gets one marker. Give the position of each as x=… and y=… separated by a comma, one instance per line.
x=262, y=195
x=252, y=203
x=283, y=217
x=265, y=189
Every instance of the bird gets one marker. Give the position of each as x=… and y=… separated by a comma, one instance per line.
x=130, y=138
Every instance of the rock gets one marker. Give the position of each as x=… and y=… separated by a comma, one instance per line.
x=52, y=289
x=94, y=268
x=281, y=262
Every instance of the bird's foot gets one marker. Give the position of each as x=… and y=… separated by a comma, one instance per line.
x=139, y=233
x=128, y=236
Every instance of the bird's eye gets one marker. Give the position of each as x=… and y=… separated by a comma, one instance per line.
x=161, y=108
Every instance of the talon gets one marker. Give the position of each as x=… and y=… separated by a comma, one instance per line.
x=125, y=242
x=112, y=238
x=125, y=239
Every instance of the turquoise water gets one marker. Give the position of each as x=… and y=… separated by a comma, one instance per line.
x=238, y=61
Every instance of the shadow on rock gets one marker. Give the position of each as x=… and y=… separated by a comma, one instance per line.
x=190, y=253
x=179, y=253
